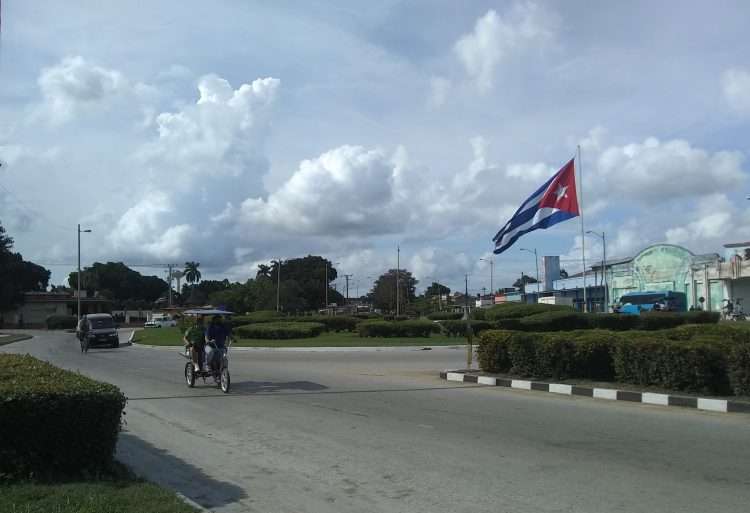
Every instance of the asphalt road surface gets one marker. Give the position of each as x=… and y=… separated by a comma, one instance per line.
x=380, y=432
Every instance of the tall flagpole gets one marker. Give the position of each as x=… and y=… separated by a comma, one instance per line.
x=583, y=232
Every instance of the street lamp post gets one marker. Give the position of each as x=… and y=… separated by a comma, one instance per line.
x=604, y=266
x=78, y=276
x=536, y=261
x=491, y=260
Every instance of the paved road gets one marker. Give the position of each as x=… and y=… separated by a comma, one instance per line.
x=379, y=432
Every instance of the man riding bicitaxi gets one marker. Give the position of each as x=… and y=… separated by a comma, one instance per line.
x=195, y=340
x=218, y=333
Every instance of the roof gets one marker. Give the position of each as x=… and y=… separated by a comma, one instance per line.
x=737, y=245
x=98, y=316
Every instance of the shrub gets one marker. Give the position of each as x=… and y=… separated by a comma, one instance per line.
x=519, y=310
x=652, y=359
x=594, y=354
x=492, y=351
x=280, y=330
x=367, y=315
x=333, y=322
x=739, y=369
x=390, y=329
x=660, y=320
x=61, y=322
x=613, y=321
x=479, y=314
x=395, y=317
x=508, y=324
x=701, y=317
x=55, y=422
x=445, y=316
x=458, y=328
x=256, y=317
x=560, y=320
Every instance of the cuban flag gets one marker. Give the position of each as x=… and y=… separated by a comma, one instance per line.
x=554, y=202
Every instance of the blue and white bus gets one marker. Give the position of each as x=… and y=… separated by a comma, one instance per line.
x=667, y=300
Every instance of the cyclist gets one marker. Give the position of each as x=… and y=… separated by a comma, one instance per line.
x=194, y=339
x=218, y=333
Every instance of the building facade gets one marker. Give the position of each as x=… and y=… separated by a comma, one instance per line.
x=711, y=277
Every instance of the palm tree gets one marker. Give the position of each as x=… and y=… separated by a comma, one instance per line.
x=192, y=274
x=263, y=270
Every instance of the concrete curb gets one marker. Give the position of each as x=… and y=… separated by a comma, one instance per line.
x=699, y=403
x=191, y=502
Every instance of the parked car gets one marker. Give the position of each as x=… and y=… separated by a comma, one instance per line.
x=160, y=321
x=98, y=329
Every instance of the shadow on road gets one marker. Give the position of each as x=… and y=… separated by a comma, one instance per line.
x=323, y=390
x=253, y=387
x=167, y=470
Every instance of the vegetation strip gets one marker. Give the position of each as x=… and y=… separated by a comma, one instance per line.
x=700, y=403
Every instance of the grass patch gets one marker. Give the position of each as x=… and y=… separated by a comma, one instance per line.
x=16, y=337
x=120, y=496
x=172, y=337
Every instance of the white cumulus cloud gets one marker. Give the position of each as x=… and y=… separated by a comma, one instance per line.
x=206, y=158
x=736, y=85
x=348, y=190
x=495, y=37
x=74, y=83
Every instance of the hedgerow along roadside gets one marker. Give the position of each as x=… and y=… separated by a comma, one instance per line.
x=55, y=422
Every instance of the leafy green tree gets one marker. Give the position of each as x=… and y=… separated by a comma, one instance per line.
x=524, y=280
x=309, y=275
x=383, y=293
x=17, y=275
x=121, y=284
x=436, y=289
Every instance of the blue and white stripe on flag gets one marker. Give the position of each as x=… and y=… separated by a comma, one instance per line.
x=552, y=203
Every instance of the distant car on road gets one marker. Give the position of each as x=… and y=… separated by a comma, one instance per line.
x=160, y=321
x=97, y=329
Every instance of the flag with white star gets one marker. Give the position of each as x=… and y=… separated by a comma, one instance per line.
x=554, y=202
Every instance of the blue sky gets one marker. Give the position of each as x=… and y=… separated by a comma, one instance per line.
x=236, y=132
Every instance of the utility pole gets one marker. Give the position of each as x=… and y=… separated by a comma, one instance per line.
x=398, y=265
x=169, y=280
x=78, y=277
x=278, y=284
x=469, y=332
x=346, y=277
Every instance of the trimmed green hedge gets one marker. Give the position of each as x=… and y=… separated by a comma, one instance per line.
x=687, y=358
x=458, y=328
x=55, y=422
x=445, y=316
x=396, y=318
x=559, y=320
x=390, y=329
x=332, y=322
x=367, y=315
x=739, y=369
x=519, y=310
x=61, y=322
x=256, y=317
x=280, y=330
x=694, y=365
